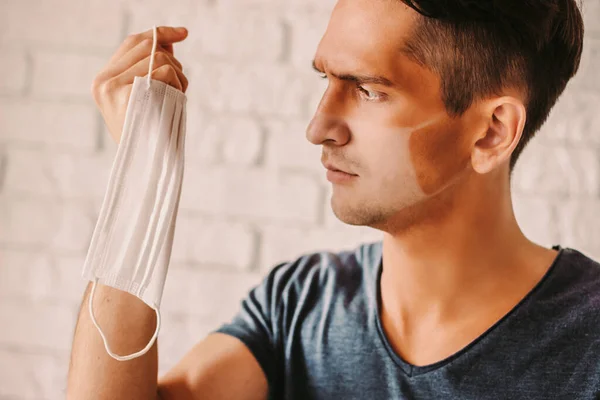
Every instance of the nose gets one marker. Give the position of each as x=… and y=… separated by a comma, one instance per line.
x=328, y=124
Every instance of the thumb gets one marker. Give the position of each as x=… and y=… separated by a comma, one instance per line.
x=168, y=34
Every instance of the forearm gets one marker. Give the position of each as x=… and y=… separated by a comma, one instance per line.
x=128, y=325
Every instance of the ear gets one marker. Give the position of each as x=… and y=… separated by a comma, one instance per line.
x=505, y=120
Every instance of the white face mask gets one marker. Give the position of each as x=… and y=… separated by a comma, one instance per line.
x=131, y=244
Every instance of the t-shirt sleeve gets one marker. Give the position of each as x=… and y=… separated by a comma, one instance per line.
x=257, y=323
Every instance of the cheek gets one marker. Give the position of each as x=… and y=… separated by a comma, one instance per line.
x=387, y=160
x=438, y=154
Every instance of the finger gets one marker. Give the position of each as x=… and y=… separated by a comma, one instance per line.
x=135, y=55
x=169, y=48
x=168, y=75
x=166, y=35
x=141, y=69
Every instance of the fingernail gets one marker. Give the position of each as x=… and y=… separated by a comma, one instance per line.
x=181, y=29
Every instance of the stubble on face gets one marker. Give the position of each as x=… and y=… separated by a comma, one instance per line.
x=423, y=162
x=402, y=158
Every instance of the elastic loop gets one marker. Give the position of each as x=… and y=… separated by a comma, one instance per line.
x=113, y=355
x=154, y=43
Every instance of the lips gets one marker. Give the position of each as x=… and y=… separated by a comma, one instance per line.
x=332, y=167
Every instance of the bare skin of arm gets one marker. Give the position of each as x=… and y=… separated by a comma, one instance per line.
x=218, y=367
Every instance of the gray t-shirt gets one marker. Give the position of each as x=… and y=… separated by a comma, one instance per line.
x=315, y=329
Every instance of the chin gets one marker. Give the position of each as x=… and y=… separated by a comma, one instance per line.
x=376, y=215
x=357, y=213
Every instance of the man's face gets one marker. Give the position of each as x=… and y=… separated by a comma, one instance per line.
x=381, y=118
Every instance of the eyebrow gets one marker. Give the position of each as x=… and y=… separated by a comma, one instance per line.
x=359, y=79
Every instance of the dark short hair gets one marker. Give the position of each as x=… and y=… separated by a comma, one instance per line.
x=478, y=47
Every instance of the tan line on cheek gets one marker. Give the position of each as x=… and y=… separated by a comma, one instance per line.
x=438, y=153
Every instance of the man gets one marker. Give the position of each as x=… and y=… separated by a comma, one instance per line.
x=428, y=107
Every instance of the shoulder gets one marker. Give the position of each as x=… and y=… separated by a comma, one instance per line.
x=574, y=290
x=312, y=272
x=578, y=273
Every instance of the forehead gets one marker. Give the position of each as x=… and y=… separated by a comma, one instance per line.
x=366, y=35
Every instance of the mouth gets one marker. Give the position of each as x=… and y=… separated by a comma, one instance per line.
x=337, y=175
x=333, y=168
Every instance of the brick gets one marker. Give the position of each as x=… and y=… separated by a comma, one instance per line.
x=48, y=124
x=591, y=15
x=240, y=138
x=267, y=89
x=232, y=139
x=208, y=241
x=142, y=14
x=201, y=147
x=587, y=77
x=27, y=375
x=38, y=276
x=13, y=72
x=537, y=218
x=252, y=194
x=23, y=274
x=579, y=227
x=179, y=333
x=314, y=4
x=36, y=325
x=53, y=173
x=51, y=68
x=66, y=282
x=3, y=166
x=61, y=23
x=286, y=244
x=27, y=220
x=243, y=140
x=287, y=147
x=239, y=34
x=574, y=119
x=173, y=340
x=36, y=221
x=307, y=29
x=554, y=169
x=207, y=295
x=283, y=5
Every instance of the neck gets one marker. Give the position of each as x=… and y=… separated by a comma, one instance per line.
x=466, y=252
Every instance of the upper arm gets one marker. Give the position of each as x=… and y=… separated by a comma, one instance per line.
x=241, y=359
x=218, y=367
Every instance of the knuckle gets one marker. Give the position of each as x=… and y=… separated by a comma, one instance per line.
x=161, y=57
x=94, y=86
x=98, y=86
x=131, y=39
x=106, y=88
x=163, y=70
x=147, y=43
x=169, y=70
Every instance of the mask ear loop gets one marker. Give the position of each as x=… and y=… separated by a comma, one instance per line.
x=154, y=43
x=91, y=308
x=113, y=355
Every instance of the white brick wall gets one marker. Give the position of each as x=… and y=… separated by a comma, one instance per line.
x=254, y=192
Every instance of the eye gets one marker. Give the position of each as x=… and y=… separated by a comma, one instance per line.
x=370, y=95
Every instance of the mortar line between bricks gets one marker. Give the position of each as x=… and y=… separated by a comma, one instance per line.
x=3, y=167
x=256, y=251
x=27, y=87
x=125, y=23
x=33, y=350
x=286, y=42
x=100, y=144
